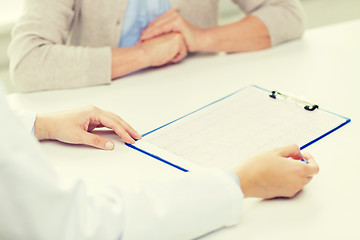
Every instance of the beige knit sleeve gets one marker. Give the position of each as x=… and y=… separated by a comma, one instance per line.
x=40, y=58
x=284, y=19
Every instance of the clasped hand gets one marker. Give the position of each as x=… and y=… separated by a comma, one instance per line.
x=168, y=38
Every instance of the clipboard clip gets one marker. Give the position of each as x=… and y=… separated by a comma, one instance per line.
x=307, y=105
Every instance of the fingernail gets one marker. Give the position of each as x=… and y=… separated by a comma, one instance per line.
x=109, y=145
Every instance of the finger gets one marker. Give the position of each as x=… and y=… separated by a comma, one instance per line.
x=96, y=141
x=308, y=179
x=130, y=130
x=165, y=17
x=157, y=31
x=93, y=126
x=292, y=151
x=153, y=27
x=312, y=166
x=177, y=58
x=110, y=122
x=181, y=55
x=161, y=26
x=123, y=134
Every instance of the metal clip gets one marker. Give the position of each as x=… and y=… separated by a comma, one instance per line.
x=307, y=105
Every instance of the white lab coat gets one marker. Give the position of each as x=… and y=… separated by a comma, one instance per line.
x=35, y=204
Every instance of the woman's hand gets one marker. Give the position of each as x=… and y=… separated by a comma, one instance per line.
x=276, y=173
x=164, y=49
x=75, y=127
x=172, y=22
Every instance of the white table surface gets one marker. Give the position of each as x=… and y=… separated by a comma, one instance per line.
x=324, y=66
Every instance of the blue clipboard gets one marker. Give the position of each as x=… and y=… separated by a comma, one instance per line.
x=308, y=106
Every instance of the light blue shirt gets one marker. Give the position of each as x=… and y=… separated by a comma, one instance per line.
x=138, y=15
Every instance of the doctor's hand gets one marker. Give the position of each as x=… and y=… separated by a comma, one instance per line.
x=172, y=21
x=75, y=127
x=276, y=173
x=164, y=49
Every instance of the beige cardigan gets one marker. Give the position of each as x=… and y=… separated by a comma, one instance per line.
x=67, y=44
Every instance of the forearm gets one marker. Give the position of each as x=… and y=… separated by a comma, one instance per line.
x=284, y=19
x=248, y=34
x=127, y=60
x=41, y=59
x=41, y=127
x=57, y=66
x=61, y=66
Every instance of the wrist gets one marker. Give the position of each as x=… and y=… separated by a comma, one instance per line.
x=40, y=127
x=127, y=60
x=243, y=181
x=144, y=57
x=205, y=41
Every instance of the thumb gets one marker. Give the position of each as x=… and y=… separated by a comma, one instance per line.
x=312, y=164
x=96, y=141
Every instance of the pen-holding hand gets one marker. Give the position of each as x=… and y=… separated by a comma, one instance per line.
x=276, y=173
x=75, y=127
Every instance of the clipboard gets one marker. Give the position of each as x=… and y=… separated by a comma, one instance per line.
x=237, y=126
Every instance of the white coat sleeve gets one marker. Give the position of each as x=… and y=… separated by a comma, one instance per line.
x=35, y=204
x=28, y=119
